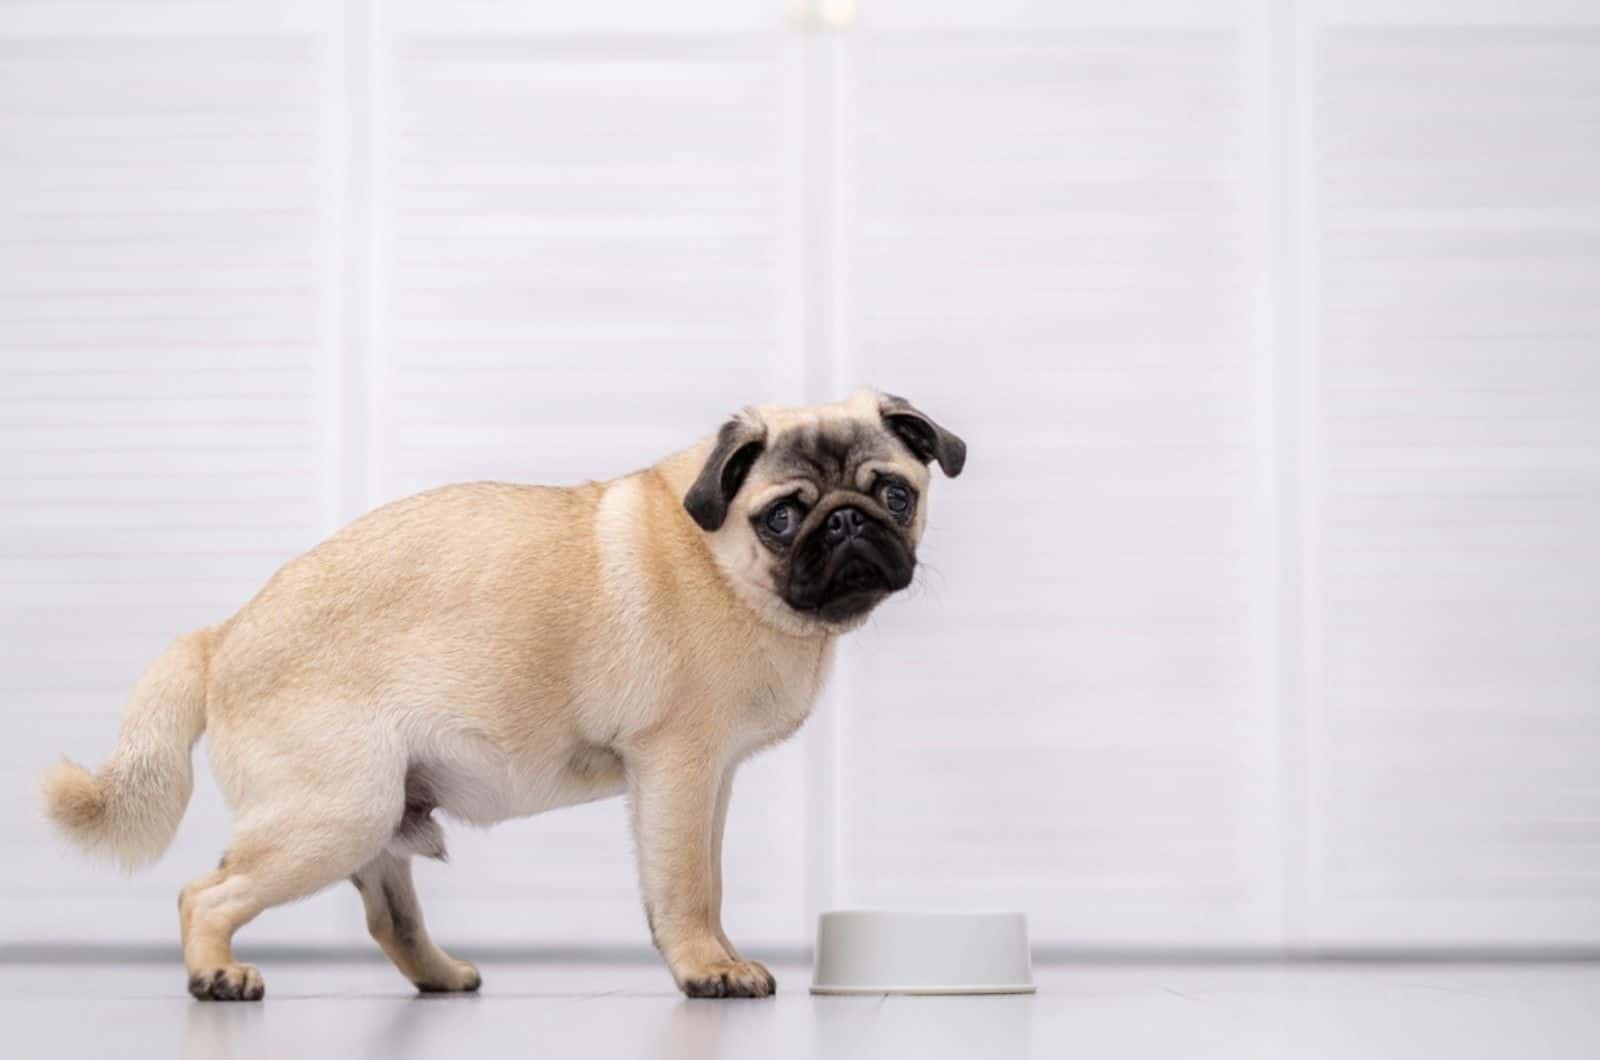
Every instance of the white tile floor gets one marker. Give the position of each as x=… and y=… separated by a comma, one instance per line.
x=1082, y=1011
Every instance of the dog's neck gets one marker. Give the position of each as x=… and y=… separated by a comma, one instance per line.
x=679, y=470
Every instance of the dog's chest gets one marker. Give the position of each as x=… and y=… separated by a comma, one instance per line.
x=783, y=695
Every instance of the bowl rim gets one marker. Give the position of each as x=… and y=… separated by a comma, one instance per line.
x=826, y=989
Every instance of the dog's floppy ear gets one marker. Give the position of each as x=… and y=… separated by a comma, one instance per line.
x=738, y=444
x=926, y=439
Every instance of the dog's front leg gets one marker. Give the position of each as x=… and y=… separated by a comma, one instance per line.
x=719, y=822
x=673, y=787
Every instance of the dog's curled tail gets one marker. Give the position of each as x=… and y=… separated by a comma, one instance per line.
x=129, y=810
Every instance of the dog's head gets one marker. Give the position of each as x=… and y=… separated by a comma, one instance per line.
x=814, y=513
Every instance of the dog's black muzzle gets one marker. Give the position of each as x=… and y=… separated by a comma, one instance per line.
x=846, y=564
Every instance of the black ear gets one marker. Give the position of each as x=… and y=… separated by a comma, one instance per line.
x=738, y=444
x=926, y=439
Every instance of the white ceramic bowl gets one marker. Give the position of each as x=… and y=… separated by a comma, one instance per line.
x=883, y=952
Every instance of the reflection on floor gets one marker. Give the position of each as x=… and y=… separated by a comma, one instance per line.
x=1082, y=1011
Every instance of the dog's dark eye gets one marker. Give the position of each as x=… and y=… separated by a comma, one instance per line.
x=781, y=519
x=897, y=499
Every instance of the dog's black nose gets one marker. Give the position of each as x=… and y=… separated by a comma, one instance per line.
x=843, y=524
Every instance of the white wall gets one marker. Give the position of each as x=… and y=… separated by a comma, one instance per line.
x=1265, y=613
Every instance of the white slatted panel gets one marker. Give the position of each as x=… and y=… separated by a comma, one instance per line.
x=588, y=253
x=1051, y=235
x=1457, y=335
x=587, y=243
x=163, y=241
x=583, y=234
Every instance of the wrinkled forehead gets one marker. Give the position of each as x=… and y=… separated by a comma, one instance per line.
x=835, y=453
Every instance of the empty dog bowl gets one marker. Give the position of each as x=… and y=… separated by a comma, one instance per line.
x=870, y=952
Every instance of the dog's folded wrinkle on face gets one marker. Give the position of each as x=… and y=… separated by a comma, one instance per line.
x=488, y=651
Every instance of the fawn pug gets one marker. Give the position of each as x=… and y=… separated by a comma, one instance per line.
x=493, y=651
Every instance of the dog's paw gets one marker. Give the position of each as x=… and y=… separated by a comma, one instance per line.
x=233, y=982
x=730, y=979
x=460, y=977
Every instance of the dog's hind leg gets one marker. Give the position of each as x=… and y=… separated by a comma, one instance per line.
x=275, y=857
x=394, y=916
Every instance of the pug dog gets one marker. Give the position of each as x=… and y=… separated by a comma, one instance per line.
x=492, y=651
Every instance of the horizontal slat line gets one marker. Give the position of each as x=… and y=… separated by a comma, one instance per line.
x=155, y=553
x=175, y=447
x=1450, y=389
x=11, y=294
x=124, y=503
x=156, y=397
x=299, y=364
x=71, y=476
x=212, y=583
x=135, y=108
x=195, y=171
x=117, y=526
x=577, y=233
x=218, y=357
x=171, y=139
x=663, y=217
x=53, y=240
x=161, y=214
